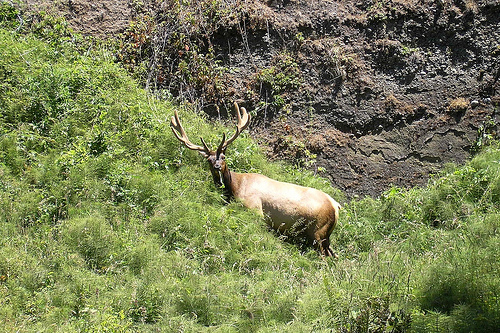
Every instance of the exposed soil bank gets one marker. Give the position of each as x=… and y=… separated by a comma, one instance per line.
x=379, y=93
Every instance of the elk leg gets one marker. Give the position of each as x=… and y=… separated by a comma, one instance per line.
x=322, y=245
x=329, y=250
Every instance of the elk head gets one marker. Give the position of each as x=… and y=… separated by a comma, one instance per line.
x=215, y=158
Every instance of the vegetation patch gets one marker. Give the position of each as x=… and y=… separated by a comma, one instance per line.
x=108, y=224
x=273, y=84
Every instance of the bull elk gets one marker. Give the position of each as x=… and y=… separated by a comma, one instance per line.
x=284, y=205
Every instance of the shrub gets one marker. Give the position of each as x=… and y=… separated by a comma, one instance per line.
x=146, y=305
x=91, y=238
x=455, y=195
x=464, y=284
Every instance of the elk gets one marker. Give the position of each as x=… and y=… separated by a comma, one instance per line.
x=284, y=206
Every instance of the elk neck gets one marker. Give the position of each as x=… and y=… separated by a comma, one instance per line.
x=227, y=180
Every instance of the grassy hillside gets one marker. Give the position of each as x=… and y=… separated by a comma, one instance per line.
x=107, y=224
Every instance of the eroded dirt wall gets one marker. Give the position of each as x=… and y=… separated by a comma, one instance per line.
x=368, y=93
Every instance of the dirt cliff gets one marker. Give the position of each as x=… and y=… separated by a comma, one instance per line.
x=368, y=93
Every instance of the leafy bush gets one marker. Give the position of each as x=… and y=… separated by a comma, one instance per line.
x=458, y=193
x=463, y=282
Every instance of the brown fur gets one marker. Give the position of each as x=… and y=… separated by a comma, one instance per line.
x=285, y=205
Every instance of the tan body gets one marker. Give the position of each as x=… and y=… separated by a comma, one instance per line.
x=286, y=207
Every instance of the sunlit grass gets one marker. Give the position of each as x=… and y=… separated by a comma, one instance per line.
x=107, y=223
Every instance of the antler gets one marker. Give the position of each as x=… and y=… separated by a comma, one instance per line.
x=181, y=135
x=243, y=122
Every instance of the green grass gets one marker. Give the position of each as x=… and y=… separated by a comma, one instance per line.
x=107, y=224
